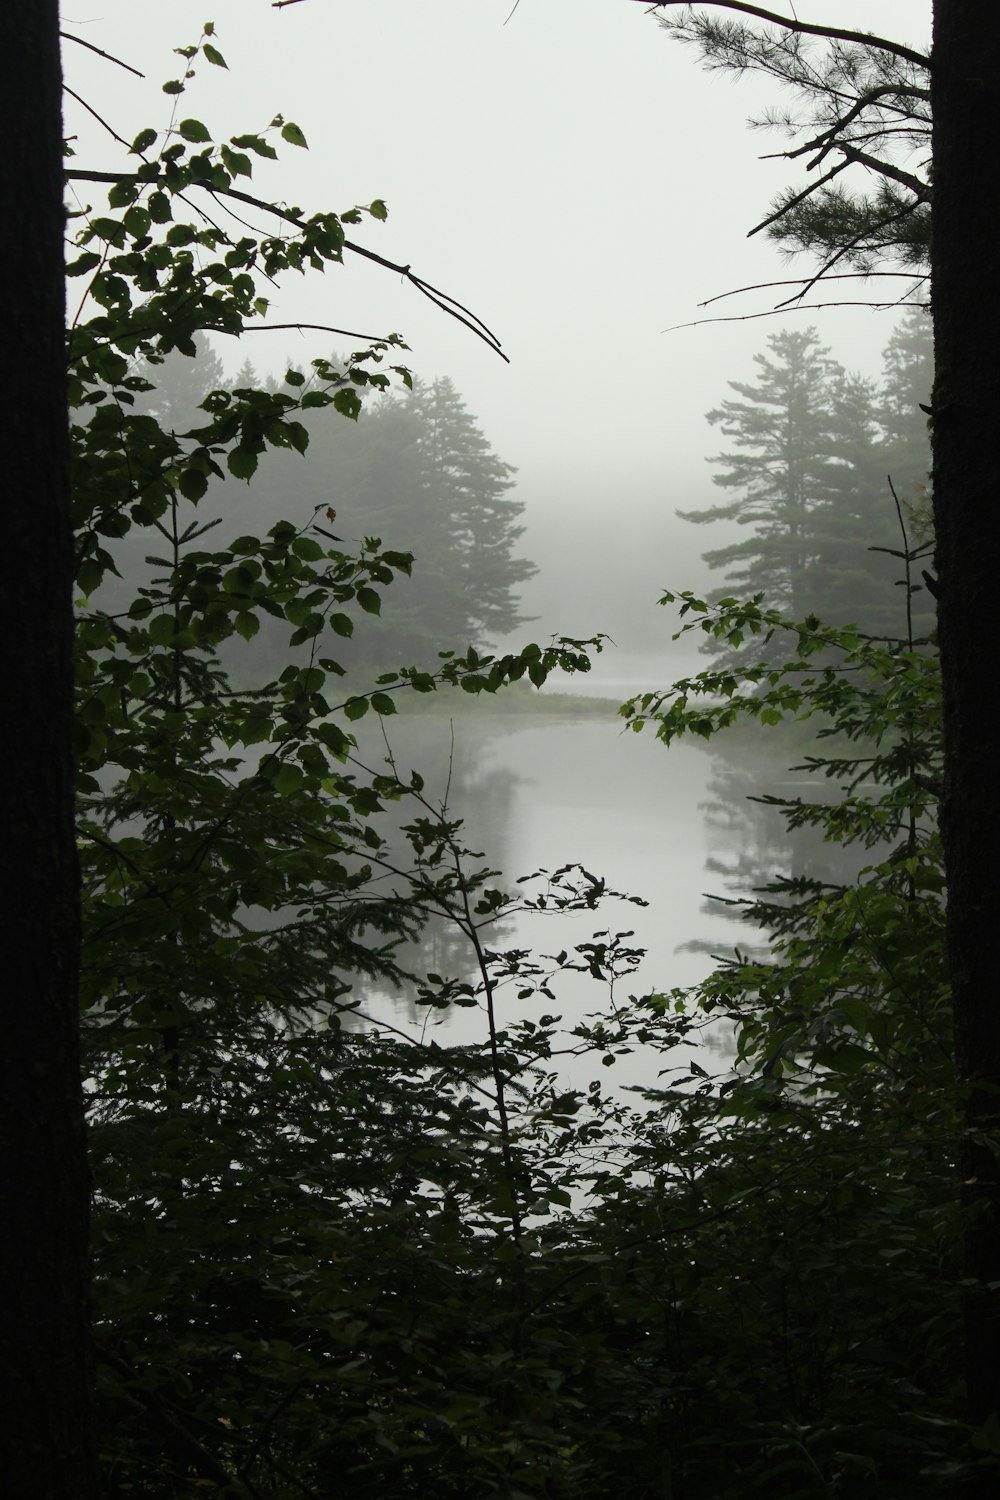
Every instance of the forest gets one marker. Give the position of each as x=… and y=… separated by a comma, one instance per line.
x=262, y=1244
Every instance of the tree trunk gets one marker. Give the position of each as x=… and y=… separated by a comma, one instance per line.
x=44, y=1432
x=966, y=407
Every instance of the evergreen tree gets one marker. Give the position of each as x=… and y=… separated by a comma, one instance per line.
x=465, y=480
x=908, y=375
x=417, y=472
x=181, y=383
x=808, y=485
x=846, y=581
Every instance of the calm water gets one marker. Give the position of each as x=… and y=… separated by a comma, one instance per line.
x=667, y=825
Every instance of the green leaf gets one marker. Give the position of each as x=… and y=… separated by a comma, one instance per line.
x=382, y=703
x=242, y=463
x=293, y=135
x=143, y=141
x=247, y=626
x=160, y=210
x=377, y=209
x=137, y=221
x=334, y=738
x=194, y=130
x=289, y=778
x=83, y=263
x=307, y=548
x=214, y=56
x=370, y=601
x=355, y=708
x=255, y=143
x=161, y=629
x=192, y=483
x=348, y=403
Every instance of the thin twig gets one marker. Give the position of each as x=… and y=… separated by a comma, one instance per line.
x=346, y=333
x=763, y=286
x=785, y=307
x=99, y=118
x=68, y=36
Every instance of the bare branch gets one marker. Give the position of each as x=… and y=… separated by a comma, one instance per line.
x=99, y=118
x=68, y=36
x=347, y=333
x=763, y=286
x=808, y=28
x=784, y=307
x=920, y=190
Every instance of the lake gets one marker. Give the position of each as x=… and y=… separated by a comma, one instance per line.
x=670, y=825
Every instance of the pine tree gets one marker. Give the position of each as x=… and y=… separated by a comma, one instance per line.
x=468, y=484
x=849, y=583
x=908, y=376
x=418, y=473
x=810, y=468
x=780, y=467
x=181, y=383
x=783, y=466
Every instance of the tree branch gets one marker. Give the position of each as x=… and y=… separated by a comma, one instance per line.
x=785, y=307
x=347, y=333
x=67, y=36
x=808, y=28
x=446, y=303
x=763, y=286
x=806, y=192
x=99, y=118
x=828, y=138
x=920, y=190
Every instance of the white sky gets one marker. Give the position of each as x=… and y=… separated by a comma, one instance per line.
x=573, y=176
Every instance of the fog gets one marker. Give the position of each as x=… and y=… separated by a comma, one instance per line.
x=566, y=171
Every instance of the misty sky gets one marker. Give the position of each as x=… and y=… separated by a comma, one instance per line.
x=570, y=174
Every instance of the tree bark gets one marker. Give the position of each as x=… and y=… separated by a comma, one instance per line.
x=966, y=301
x=44, y=1432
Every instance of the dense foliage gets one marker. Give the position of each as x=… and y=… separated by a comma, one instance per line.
x=330, y=1261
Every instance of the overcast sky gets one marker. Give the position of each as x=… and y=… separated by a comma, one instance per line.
x=569, y=173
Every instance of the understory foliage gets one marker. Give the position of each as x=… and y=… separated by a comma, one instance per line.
x=333, y=1260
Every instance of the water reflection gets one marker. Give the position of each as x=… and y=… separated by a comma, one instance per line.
x=751, y=849
x=539, y=794
x=682, y=828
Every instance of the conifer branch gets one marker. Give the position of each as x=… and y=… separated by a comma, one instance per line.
x=808, y=28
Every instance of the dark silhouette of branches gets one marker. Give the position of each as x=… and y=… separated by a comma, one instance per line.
x=443, y=300
x=809, y=28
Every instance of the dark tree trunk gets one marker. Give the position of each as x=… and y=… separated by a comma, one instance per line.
x=966, y=297
x=44, y=1427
